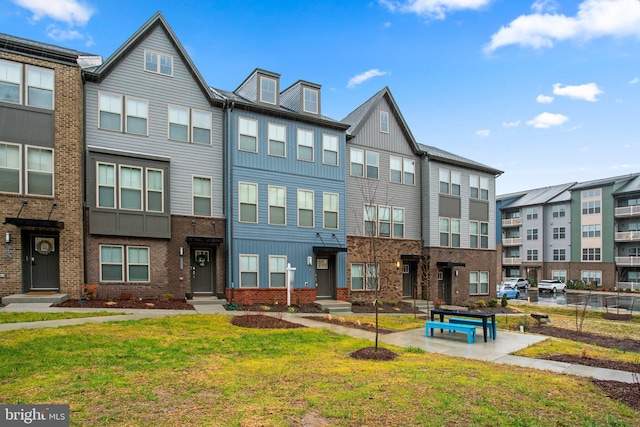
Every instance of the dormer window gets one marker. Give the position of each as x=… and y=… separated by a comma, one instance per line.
x=384, y=122
x=158, y=63
x=310, y=101
x=267, y=90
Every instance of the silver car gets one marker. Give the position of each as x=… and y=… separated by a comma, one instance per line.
x=517, y=282
x=551, y=286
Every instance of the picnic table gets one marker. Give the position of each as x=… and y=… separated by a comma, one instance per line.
x=470, y=314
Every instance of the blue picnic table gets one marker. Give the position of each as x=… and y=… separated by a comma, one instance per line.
x=486, y=324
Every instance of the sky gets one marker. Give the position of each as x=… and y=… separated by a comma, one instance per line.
x=547, y=91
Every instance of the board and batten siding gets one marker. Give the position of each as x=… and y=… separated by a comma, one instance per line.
x=431, y=206
x=128, y=78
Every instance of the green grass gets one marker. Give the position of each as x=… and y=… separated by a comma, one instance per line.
x=201, y=370
x=19, y=317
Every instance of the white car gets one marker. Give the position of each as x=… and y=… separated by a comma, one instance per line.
x=551, y=286
x=517, y=282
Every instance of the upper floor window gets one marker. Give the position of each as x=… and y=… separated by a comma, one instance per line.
x=450, y=232
x=277, y=205
x=277, y=271
x=591, y=254
x=201, y=188
x=267, y=90
x=39, y=87
x=479, y=234
x=398, y=223
x=479, y=187
x=384, y=221
x=158, y=63
x=248, y=198
x=330, y=210
x=113, y=107
x=591, y=207
x=592, y=230
x=532, y=234
x=137, y=113
x=559, y=232
x=357, y=162
x=450, y=182
x=305, y=208
x=247, y=135
x=629, y=201
x=189, y=125
x=589, y=194
x=39, y=171
x=277, y=140
x=106, y=193
x=330, y=150
x=201, y=127
x=559, y=255
x=370, y=215
x=310, y=100
x=110, y=107
x=532, y=213
x=384, y=122
x=10, y=81
x=305, y=145
x=559, y=211
x=130, y=188
x=532, y=255
x=155, y=190
x=10, y=168
x=402, y=170
x=372, y=164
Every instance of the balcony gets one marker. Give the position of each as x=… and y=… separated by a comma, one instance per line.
x=635, y=286
x=511, y=261
x=513, y=241
x=627, y=211
x=628, y=261
x=627, y=236
x=512, y=222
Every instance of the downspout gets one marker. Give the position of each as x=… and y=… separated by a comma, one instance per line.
x=228, y=108
x=83, y=171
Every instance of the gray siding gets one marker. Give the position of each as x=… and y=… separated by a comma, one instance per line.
x=382, y=191
x=551, y=223
x=128, y=78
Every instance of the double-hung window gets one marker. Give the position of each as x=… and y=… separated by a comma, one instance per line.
x=110, y=116
x=131, y=188
x=444, y=231
x=559, y=212
x=398, y=223
x=559, y=254
x=277, y=140
x=111, y=263
x=330, y=210
x=268, y=90
x=201, y=196
x=106, y=185
x=450, y=232
x=591, y=254
x=113, y=107
x=39, y=171
x=248, y=197
x=178, y=123
x=248, y=271
x=479, y=187
x=247, y=135
x=277, y=205
x=137, y=113
x=592, y=230
x=559, y=232
x=305, y=145
x=158, y=63
x=201, y=127
x=364, y=276
x=370, y=220
x=10, y=168
x=532, y=234
x=455, y=233
x=478, y=282
x=409, y=167
x=450, y=182
x=532, y=213
x=532, y=254
x=395, y=169
x=402, y=171
x=305, y=208
x=189, y=125
x=155, y=190
x=40, y=87
x=357, y=162
x=372, y=164
x=10, y=82
x=277, y=271
x=384, y=221
x=357, y=277
x=310, y=100
x=384, y=122
x=479, y=234
x=137, y=264
x=330, y=150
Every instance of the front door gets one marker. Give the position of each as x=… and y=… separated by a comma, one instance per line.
x=445, y=291
x=325, y=277
x=41, y=262
x=203, y=271
x=408, y=279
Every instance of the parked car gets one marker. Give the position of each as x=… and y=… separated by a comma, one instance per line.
x=551, y=286
x=518, y=282
x=510, y=291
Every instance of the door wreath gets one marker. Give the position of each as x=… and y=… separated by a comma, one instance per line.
x=44, y=245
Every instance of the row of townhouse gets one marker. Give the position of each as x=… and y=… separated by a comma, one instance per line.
x=582, y=232
x=136, y=175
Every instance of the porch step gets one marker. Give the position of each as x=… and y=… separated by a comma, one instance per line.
x=334, y=306
x=56, y=298
x=422, y=305
x=208, y=300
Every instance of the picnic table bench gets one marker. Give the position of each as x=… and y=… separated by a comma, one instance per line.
x=476, y=323
x=488, y=319
x=470, y=330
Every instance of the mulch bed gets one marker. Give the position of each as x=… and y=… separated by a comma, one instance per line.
x=151, y=303
x=398, y=308
x=587, y=338
x=371, y=353
x=280, y=308
x=626, y=393
x=260, y=321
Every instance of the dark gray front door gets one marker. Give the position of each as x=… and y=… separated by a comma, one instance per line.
x=408, y=279
x=447, y=289
x=202, y=270
x=325, y=277
x=41, y=262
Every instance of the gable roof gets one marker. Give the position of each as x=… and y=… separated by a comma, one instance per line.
x=454, y=159
x=357, y=118
x=633, y=186
x=604, y=181
x=540, y=196
x=157, y=20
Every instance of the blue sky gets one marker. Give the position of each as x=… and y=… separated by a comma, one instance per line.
x=546, y=90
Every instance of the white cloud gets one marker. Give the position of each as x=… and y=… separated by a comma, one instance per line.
x=386, y=24
x=634, y=81
x=546, y=120
x=436, y=9
x=544, y=99
x=586, y=92
x=483, y=133
x=70, y=11
x=61, y=35
x=595, y=18
x=540, y=6
x=511, y=124
x=361, y=78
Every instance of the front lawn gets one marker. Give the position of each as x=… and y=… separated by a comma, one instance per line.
x=28, y=316
x=201, y=370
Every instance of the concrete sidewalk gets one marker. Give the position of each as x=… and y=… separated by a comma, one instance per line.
x=455, y=345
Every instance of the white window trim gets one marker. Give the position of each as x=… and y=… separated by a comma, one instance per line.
x=275, y=90
x=366, y=164
x=313, y=210
x=298, y=144
x=337, y=211
x=324, y=149
x=382, y=114
x=390, y=221
x=193, y=195
x=27, y=170
x=404, y=171
x=120, y=187
x=21, y=81
x=126, y=115
x=351, y=162
x=158, y=55
x=278, y=272
x=304, y=100
x=129, y=263
x=240, y=119
x=19, y=169
x=115, y=185
x=257, y=270
x=27, y=86
x=148, y=190
x=269, y=205
x=169, y=107
x=122, y=111
x=240, y=203
x=393, y=222
x=122, y=264
x=192, y=126
x=269, y=139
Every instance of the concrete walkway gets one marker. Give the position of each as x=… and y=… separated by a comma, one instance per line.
x=497, y=351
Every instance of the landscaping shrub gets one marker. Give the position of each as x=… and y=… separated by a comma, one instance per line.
x=504, y=301
x=493, y=302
